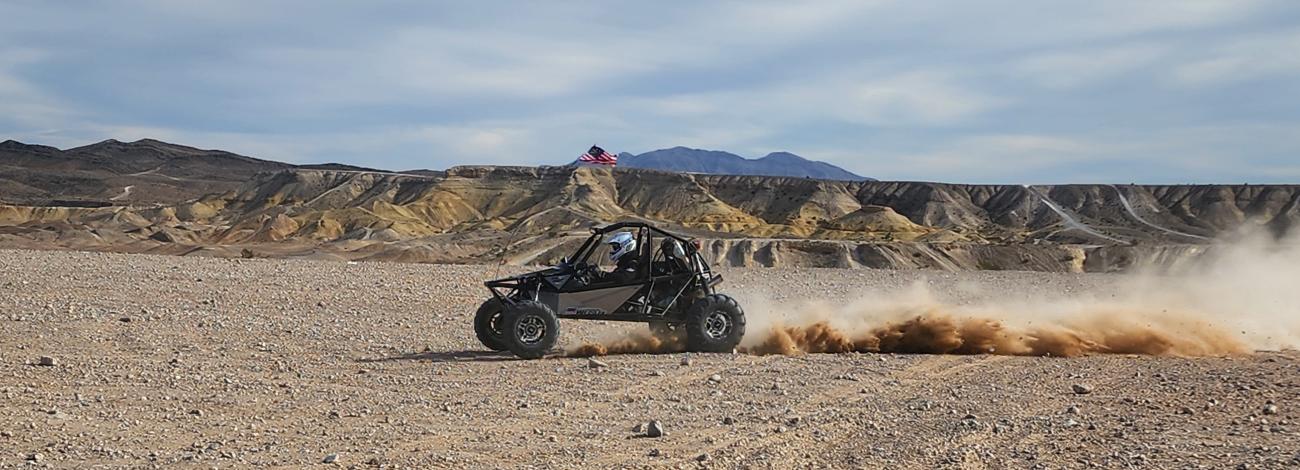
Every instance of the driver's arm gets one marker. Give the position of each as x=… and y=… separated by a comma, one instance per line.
x=624, y=271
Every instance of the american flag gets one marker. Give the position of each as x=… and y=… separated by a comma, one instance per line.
x=598, y=156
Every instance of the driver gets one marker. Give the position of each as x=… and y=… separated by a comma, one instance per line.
x=622, y=250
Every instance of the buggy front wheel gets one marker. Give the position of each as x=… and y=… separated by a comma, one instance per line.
x=530, y=329
x=715, y=323
x=487, y=325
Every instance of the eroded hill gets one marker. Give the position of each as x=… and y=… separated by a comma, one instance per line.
x=536, y=215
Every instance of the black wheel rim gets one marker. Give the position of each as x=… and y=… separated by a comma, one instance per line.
x=531, y=329
x=717, y=325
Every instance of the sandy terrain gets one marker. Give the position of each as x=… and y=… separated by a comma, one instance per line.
x=217, y=363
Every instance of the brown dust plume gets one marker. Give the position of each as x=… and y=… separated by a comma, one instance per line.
x=1237, y=298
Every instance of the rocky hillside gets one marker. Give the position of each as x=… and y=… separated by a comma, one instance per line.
x=689, y=160
x=536, y=215
x=112, y=172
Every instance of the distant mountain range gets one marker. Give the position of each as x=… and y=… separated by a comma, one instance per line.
x=689, y=160
x=155, y=197
x=146, y=170
x=151, y=171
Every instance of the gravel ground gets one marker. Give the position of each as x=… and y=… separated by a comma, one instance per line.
x=137, y=361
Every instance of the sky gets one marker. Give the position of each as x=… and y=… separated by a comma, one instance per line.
x=988, y=91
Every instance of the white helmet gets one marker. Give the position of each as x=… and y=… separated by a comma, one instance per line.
x=621, y=244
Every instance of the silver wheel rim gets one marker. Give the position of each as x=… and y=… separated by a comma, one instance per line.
x=494, y=324
x=717, y=325
x=531, y=329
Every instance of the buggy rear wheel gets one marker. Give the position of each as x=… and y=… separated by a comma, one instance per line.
x=530, y=329
x=487, y=325
x=715, y=323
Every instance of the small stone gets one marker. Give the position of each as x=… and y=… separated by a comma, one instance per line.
x=47, y=361
x=728, y=421
x=37, y=457
x=655, y=429
x=639, y=428
x=1081, y=389
x=124, y=319
x=594, y=363
x=1270, y=409
x=715, y=378
x=686, y=359
x=655, y=452
x=1073, y=410
x=703, y=457
x=330, y=458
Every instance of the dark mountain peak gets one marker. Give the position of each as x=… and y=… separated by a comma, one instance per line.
x=106, y=144
x=691, y=160
x=16, y=146
x=784, y=156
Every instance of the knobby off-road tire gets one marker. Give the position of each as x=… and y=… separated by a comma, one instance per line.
x=487, y=325
x=715, y=323
x=530, y=329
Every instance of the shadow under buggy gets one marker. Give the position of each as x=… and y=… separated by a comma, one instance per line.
x=672, y=290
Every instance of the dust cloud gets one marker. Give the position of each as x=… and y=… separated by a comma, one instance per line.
x=1241, y=296
x=640, y=342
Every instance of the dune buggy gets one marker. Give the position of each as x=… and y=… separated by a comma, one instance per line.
x=672, y=290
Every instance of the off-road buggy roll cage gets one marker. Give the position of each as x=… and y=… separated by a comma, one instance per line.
x=672, y=274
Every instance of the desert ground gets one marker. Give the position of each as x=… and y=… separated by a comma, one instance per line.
x=115, y=360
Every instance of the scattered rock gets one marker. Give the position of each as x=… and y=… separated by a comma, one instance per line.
x=594, y=363
x=37, y=457
x=703, y=457
x=728, y=421
x=1270, y=409
x=47, y=361
x=686, y=359
x=1073, y=410
x=655, y=429
x=331, y=458
x=1081, y=389
x=715, y=378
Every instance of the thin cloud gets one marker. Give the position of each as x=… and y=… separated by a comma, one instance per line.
x=996, y=90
